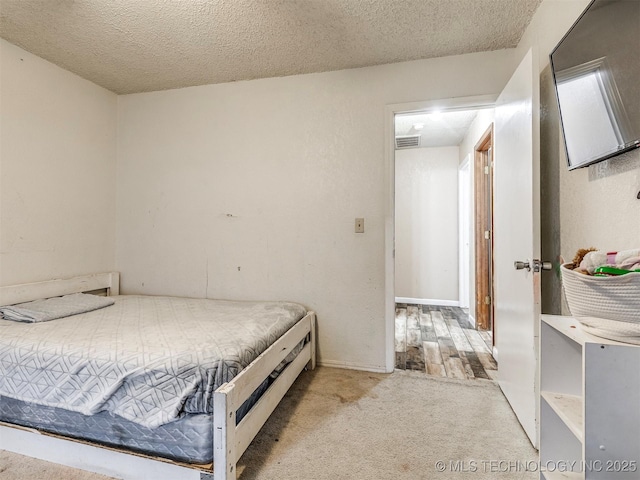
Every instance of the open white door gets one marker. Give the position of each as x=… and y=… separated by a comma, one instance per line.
x=517, y=238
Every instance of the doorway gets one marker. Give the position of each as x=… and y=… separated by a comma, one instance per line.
x=516, y=215
x=433, y=165
x=483, y=226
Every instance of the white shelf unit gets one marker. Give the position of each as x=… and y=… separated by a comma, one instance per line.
x=589, y=405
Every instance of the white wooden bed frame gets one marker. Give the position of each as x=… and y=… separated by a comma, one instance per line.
x=229, y=440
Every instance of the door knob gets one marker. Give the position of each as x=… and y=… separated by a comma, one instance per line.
x=537, y=266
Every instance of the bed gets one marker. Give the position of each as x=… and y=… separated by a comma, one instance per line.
x=146, y=386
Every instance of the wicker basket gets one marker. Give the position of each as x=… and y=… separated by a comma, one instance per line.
x=608, y=307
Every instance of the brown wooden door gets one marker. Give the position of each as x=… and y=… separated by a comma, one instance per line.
x=483, y=201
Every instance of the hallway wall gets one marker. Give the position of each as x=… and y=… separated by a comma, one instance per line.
x=426, y=224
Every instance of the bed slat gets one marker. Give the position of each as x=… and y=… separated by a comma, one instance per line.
x=259, y=414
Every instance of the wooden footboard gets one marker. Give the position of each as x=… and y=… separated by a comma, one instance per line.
x=230, y=440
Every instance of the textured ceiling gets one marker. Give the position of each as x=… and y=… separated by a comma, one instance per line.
x=446, y=129
x=144, y=45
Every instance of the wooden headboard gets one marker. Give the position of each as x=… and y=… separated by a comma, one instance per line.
x=109, y=281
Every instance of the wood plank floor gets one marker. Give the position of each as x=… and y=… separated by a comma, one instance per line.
x=441, y=341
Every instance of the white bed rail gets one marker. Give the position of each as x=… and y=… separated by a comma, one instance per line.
x=231, y=440
x=27, y=292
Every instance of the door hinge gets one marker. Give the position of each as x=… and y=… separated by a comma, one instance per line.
x=486, y=170
x=487, y=234
x=487, y=300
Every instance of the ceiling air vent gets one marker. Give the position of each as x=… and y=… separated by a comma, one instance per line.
x=407, y=141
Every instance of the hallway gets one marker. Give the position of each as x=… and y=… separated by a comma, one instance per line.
x=440, y=341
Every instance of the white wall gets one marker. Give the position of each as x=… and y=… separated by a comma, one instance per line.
x=426, y=224
x=57, y=171
x=250, y=190
x=467, y=148
x=598, y=204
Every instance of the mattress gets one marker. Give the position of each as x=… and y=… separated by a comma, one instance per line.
x=148, y=360
x=188, y=439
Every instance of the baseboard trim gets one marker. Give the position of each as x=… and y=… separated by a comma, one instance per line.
x=473, y=321
x=428, y=301
x=351, y=366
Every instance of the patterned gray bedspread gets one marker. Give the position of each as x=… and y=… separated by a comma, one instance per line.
x=147, y=359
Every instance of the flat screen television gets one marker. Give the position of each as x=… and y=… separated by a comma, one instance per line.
x=596, y=70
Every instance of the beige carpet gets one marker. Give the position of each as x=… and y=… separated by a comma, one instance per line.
x=343, y=424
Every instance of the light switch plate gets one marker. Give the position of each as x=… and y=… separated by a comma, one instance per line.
x=359, y=225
